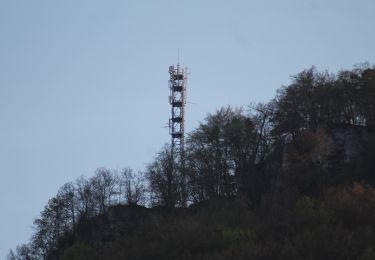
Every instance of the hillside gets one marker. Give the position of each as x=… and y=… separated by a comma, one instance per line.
x=289, y=179
x=338, y=226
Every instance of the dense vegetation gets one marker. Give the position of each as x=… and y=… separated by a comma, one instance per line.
x=290, y=179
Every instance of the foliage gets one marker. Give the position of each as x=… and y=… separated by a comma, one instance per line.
x=80, y=251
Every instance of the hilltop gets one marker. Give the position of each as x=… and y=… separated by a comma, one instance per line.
x=289, y=179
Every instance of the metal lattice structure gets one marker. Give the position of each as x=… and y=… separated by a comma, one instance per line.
x=177, y=99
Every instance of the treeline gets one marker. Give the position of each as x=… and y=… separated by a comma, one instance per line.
x=228, y=155
x=319, y=98
x=78, y=202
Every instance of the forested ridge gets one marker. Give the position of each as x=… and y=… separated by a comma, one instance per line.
x=293, y=178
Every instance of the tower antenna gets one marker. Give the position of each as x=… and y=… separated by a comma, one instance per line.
x=177, y=100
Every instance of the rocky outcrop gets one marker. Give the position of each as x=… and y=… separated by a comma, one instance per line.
x=325, y=147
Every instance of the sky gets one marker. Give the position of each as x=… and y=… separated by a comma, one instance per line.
x=83, y=84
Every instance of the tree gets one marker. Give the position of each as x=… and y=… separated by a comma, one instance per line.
x=261, y=117
x=132, y=187
x=221, y=153
x=67, y=194
x=162, y=180
x=85, y=205
x=11, y=255
x=368, y=96
x=50, y=227
x=23, y=252
x=104, y=188
x=295, y=107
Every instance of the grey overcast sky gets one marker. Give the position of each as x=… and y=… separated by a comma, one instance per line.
x=83, y=84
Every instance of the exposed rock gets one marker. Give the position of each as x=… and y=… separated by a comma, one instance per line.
x=344, y=144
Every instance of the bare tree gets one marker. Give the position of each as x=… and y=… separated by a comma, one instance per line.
x=67, y=194
x=23, y=252
x=85, y=205
x=104, y=188
x=261, y=116
x=132, y=186
x=163, y=183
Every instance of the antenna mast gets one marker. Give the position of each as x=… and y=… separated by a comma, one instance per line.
x=177, y=99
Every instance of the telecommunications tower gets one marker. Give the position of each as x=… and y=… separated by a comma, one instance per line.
x=177, y=99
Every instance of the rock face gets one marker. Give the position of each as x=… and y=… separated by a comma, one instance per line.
x=326, y=157
x=351, y=142
x=325, y=147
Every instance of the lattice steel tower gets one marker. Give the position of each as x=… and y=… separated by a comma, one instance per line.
x=177, y=99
